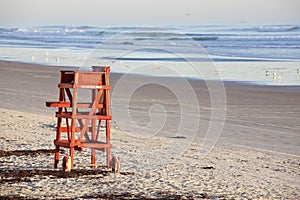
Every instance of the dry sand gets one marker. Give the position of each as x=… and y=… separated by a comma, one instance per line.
x=257, y=155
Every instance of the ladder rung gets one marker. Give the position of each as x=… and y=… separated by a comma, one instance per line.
x=82, y=115
x=65, y=85
x=98, y=117
x=91, y=144
x=70, y=85
x=103, y=87
x=65, y=129
x=58, y=104
x=64, y=143
x=69, y=105
x=95, y=145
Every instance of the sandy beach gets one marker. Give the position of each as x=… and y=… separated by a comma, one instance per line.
x=256, y=156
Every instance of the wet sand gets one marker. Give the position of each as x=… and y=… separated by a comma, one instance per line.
x=257, y=116
x=256, y=156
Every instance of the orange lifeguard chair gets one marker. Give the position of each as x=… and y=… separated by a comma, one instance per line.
x=83, y=119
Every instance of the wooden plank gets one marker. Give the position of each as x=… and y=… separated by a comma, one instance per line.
x=68, y=129
x=94, y=145
x=69, y=105
x=97, y=117
x=68, y=115
x=58, y=104
x=102, y=87
x=63, y=143
x=89, y=105
x=65, y=85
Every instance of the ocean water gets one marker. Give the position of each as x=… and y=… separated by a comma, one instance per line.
x=128, y=48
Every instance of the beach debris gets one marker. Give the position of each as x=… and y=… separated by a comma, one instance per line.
x=148, y=175
x=298, y=71
x=207, y=167
x=32, y=153
x=49, y=126
x=179, y=137
x=66, y=164
x=20, y=175
x=115, y=164
x=32, y=58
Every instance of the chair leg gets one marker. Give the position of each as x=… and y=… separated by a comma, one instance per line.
x=56, y=157
x=93, y=158
x=108, y=157
x=72, y=156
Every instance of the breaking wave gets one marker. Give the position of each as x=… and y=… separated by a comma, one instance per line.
x=278, y=28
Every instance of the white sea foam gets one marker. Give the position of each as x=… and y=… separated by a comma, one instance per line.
x=125, y=47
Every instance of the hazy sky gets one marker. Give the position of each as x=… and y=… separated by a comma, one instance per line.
x=146, y=12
